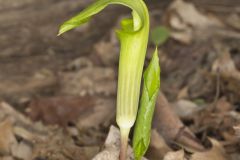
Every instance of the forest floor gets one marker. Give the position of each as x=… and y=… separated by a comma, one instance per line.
x=58, y=94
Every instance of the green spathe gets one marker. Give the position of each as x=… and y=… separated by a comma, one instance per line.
x=133, y=38
x=151, y=85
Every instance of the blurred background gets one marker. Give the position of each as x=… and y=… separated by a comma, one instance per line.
x=62, y=89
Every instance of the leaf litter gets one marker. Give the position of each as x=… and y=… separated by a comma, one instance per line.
x=72, y=108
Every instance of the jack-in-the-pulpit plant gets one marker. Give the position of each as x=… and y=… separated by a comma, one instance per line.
x=133, y=37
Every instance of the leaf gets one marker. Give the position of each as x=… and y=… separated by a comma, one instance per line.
x=86, y=14
x=175, y=155
x=217, y=152
x=151, y=85
x=159, y=35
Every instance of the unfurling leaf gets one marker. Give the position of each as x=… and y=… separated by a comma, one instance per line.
x=151, y=85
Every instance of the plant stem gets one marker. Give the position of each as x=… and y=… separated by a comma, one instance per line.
x=124, y=143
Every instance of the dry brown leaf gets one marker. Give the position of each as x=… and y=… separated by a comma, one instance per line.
x=178, y=155
x=185, y=108
x=57, y=146
x=23, y=127
x=89, y=81
x=225, y=66
x=7, y=158
x=223, y=105
x=163, y=114
x=8, y=111
x=41, y=80
x=235, y=156
x=83, y=111
x=158, y=142
x=183, y=36
x=22, y=151
x=237, y=130
x=44, y=142
x=79, y=63
x=183, y=93
x=112, y=147
x=107, y=52
x=101, y=113
x=234, y=21
x=191, y=16
x=174, y=130
x=186, y=21
x=23, y=133
x=217, y=152
x=158, y=147
x=59, y=110
x=7, y=138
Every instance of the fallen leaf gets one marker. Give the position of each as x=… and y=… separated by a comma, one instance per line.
x=224, y=65
x=158, y=147
x=59, y=110
x=217, y=152
x=22, y=151
x=185, y=37
x=237, y=130
x=42, y=80
x=88, y=81
x=183, y=93
x=8, y=111
x=163, y=114
x=107, y=52
x=223, y=105
x=57, y=146
x=79, y=63
x=178, y=155
x=84, y=112
x=187, y=22
x=234, y=21
x=185, y=108
x=7, y=158
x=112, y=147
x=23, y=133
x=225, y=68
x=38, y=141
x=174, y=131
x=235, y=156
x=23, y=127
x=7, y=138
x=101, y=113
x=191, y=16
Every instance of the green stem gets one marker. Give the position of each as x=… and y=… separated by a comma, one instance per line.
x=124, y=143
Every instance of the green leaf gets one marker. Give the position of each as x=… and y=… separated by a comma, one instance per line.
x=159, y=35
x=151, y=85
x=139, y=147
x=137, y=6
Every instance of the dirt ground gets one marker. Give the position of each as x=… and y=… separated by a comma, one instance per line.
x=58, y=94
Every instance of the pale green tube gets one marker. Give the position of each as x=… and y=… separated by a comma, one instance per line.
x=132, y=56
